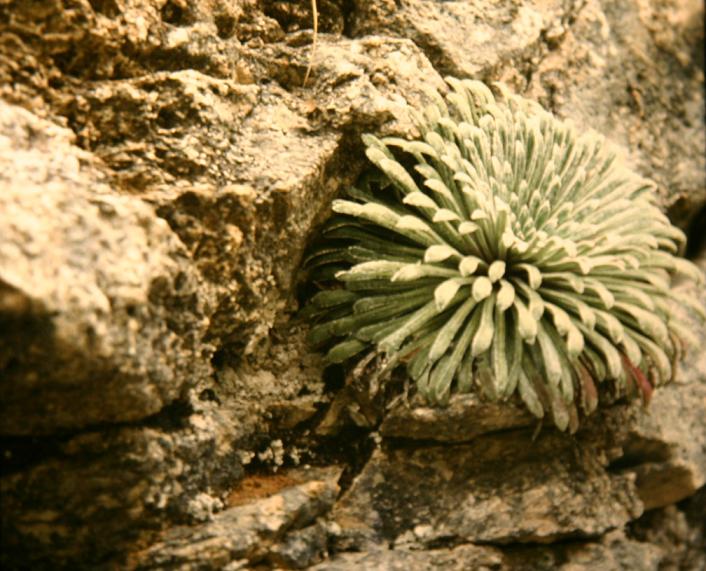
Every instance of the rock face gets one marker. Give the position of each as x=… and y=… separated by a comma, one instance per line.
x=163, y=167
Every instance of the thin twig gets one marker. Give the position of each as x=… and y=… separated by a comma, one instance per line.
x=315, y=17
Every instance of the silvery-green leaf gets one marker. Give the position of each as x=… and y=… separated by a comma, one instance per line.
x=550, y=355
x=419, y=199
x=689, y=270
x=631, y=349
x=499, y=354
x=633, y=295
x=399, y=175
x=415, y=321
x=446, y=291
x=469, y=265
x=376, y=155
x=464, y=376
x=607, y=349
x=345, y=350
x=479, y=214
x=533, y=275
x=409, y=222
x=334, y=297
x=607, y=323
x=481, y=288
x=565, y=278
x=376, y=331
x=447, y=368
x=526, y=324
x=574, y=341
x=445, y=215
x=419, y=363
x=506, y=295
x=572, y=304
x=535, y=301
x=648, y=321
x=496, y=270
x=439, y=253
x=656, y=355
x=467, y=227
x=606, y=297
x=595, y=363
x=529, y=396
x=381, y=269
x=560, y=412
x=484, y=336
x=439, y=187
x=412, y=272
x=450, y=329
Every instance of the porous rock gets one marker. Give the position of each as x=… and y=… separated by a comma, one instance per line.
x=246, y=532
x=103, y=316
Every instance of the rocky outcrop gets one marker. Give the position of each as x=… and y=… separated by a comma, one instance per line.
x=163, y=167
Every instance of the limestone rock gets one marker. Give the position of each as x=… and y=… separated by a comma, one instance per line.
x=465, y=418
x=103, y=316
x=499, y=488
x=243, y=532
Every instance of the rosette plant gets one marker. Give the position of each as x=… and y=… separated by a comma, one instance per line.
x=503, y=252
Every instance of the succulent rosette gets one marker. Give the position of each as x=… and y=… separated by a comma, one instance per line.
x=505, y=253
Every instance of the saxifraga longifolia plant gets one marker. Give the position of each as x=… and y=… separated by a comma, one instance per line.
x=516, y=257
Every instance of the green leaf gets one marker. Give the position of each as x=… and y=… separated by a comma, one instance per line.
x=445, y=215
x=484, y=336
x=439, y=253
x=481, y=288
x=420, y=200
x=447, y=368
x=499, y=354
x=533, y=274
x=506, y=295
x=469, y=265
x=445, y=293
x=529, y=396
x=393, y=341
x=448, y=331
x=496, y=270
x=607, y=349
x=332, y=298
x=345, y=350
x=550, y=356
x=411, y=272
x=381, y=269
x=526, y=324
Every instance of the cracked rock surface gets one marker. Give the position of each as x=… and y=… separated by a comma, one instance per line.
x=163, y=167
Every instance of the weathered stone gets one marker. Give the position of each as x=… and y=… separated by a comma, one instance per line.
x=678, y=531
x=466, y=417
x=499, y=488
x=91, y=496
x=243, y=532
x=463, y=40
x=457, y=559
x=102, y=314
x=302, y=548
x=613, y=553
